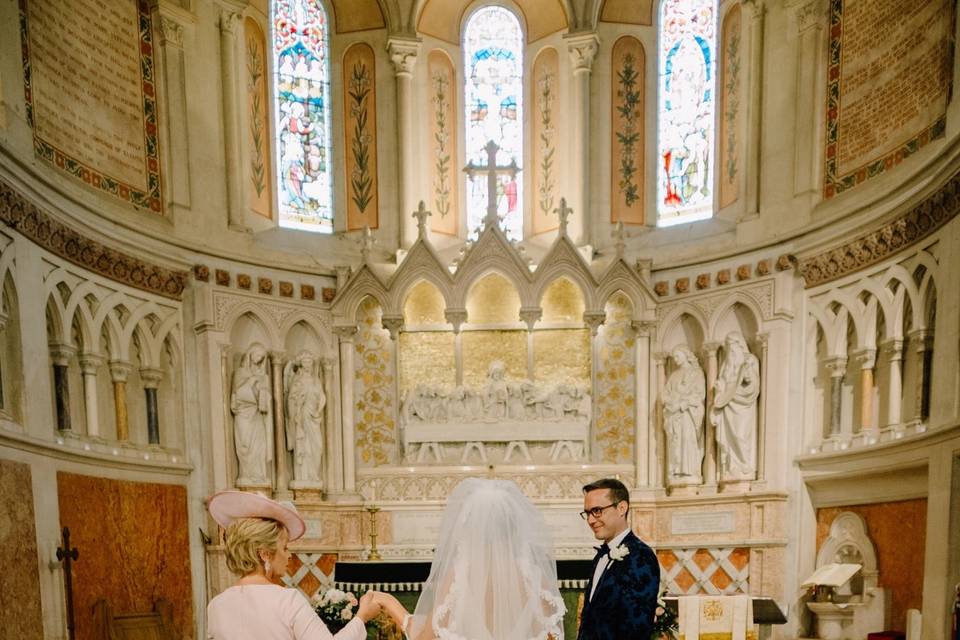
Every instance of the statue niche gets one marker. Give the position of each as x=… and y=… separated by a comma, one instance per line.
x=252, y=421
x=734, y=411
x=516, y=413
x=304, y=407
x=683, y=409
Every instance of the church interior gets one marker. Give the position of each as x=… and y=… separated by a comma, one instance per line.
x=348, y=253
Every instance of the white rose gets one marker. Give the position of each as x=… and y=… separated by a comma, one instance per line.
x=619, y=552
x=346, y=614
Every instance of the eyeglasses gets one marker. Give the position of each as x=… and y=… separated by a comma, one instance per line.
x=596, y=512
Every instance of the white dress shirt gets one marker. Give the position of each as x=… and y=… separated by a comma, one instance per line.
x=605, y=560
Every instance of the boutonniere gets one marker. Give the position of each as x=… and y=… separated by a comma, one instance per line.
x=618, y=553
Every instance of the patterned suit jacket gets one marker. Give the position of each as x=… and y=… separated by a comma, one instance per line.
x=624, y=604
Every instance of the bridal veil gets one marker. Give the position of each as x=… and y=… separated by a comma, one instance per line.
x=493, y=575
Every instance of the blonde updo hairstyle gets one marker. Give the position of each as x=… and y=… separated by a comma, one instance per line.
x=245, y=538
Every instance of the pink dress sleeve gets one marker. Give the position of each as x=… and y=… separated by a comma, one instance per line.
x=308, y=626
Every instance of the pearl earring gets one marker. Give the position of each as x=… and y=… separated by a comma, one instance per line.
x=267, y=569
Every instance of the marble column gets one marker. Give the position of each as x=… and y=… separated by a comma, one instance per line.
x=174, y=141
x=330, y=421
x=151, y=378
x=756, y=10
x=89, y=364
x=763, y=342
x=837, y=366
x=281, y=470
x=710, y=445
x=229, y=24
x=892, y=351
x=61, y=354
x=593, y=320
x=456, y=317
x=922, y=341
x=641, y=357
x=347, y=335
x=403, y=54
x=582, y=48
x=119, y=371
x=809, y=110
x=530, y=316
x=867, y=359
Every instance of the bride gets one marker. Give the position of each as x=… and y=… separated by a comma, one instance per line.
x=493, y=576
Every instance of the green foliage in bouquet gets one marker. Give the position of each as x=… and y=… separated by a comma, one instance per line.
x=665, y=623
x=337, y=608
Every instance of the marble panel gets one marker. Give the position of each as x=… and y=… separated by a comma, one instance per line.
x=134, y=547
x=20, y=582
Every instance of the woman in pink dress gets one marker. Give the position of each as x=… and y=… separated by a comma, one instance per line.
x=255, y=608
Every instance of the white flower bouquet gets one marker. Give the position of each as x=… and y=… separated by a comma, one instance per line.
x=335, y=607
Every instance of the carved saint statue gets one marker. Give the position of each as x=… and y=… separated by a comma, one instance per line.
x=683, y=409
x=495, y=393
x=734, y=410
x=252, y=429
x=305, y=403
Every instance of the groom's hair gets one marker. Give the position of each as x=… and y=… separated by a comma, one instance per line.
x=618, y=491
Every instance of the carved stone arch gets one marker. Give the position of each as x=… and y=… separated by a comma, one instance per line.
x=140, y=334
x=8, y=267
x=907, y=290
x=850, y=304
x=53, y=279
x=850, y=529
x=8, y=286
x=489, y=264
x=319, y=329
x=256, y=314
x=113, y=326
x=880, y=294
x=169, y=330
x=402, y=286
x=80, y=316
x=364, y=283
x=673, y=317
x=136, y=320
x=872, y=310
x=105, y=310
x=632, y=288
x=55, y=317
x=557, y=271
x=928, y=300
x=825, y=323
x=727, y=307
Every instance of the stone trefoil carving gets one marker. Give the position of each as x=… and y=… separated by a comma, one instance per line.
x=304, y=408
x=250, y=403
x=734, y=411
x=683, y=410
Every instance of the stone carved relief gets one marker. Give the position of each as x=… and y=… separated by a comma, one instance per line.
x=502, y=411
x=305, y=425
x=683, y=400
x=252, y=426
x=734, y=411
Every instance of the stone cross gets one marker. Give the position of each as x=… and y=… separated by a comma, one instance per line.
x=421, y=214
x=366, y=243
x=68, y=555
x=492, y=169
x=563, y=213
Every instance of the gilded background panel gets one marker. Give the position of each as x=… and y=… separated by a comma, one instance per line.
x=424, y=306
x=562, y=355
x=480, y=348
x=427, y=357
x=562, y=302
x=373, y=392
x=616, y=389
x=492, y=300
x=19, y=582
x=360, y=136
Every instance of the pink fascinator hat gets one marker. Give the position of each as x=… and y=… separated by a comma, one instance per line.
x=227, y=506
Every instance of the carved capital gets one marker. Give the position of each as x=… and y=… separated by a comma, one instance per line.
x=151, y=377
x=530, y=315
x=836, y=365
x=61, y=353
x=403, y=54
x=593, y=319
x=229, y=20
x=921, y=339
x=346, y=332
x=582, y=48
x=867, y=358
x=892, y=350
x=811, y=15
x=120, y=370
x=89, y=363
x=644, y=328
x=761, y=340
x=757, y=8
x=393, y=324
x=456, y=317
x=277, y=358
x=171, y=32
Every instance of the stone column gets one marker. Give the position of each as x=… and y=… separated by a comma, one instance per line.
x=641, y=358
x=710, y=448
x=892, y=351
x=809, y=111
x=868, y=359
x=282, y=486
x=346, y=335
x=229, y=23
x=89, y=363
x=456, y=317
x=119, y=371
x=763, y=342
x=922, y=341
x=756, y=9
x=3, y=326
x=174, y=139
x=530, y=316
x=593, y=320
x=403, y=54
x=582, y=48
x=330, y=421
x=60, y=354
x=151, y=378
x=660, y=358
x=837, y=366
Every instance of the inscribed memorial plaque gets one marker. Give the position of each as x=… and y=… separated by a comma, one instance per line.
x=702, y=522
x=90, y=92
x=888, y=84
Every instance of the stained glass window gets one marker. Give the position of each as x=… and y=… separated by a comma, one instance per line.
x=493, y=92
x=687, y=97
x=302, y=88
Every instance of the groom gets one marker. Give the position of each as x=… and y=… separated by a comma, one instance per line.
x=621, y=596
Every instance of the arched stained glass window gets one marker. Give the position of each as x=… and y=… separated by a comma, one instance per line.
x=687, y=98
x=493, y=102
x=302, y=88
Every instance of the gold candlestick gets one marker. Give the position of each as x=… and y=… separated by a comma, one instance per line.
x=374, y=554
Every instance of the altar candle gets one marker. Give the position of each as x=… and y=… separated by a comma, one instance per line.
x=373, y=490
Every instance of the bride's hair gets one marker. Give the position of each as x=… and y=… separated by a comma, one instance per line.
x=493, y=576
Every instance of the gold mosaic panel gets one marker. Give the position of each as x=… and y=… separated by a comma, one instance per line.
x=562, y=355
x=493, y=300
x=427, y=357
x=374, y=404
x=480, y=348
x=616, y=387
x=424, y=305
x=562, y=302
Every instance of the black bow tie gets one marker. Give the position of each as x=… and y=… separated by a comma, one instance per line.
x=602, y=550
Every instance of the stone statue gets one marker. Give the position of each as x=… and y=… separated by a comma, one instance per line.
x=683, y=409
x=305, y=403
x=252, y=429
x=495, y=393
x=734, y=411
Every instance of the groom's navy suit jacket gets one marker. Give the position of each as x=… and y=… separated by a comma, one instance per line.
x=623, y=606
